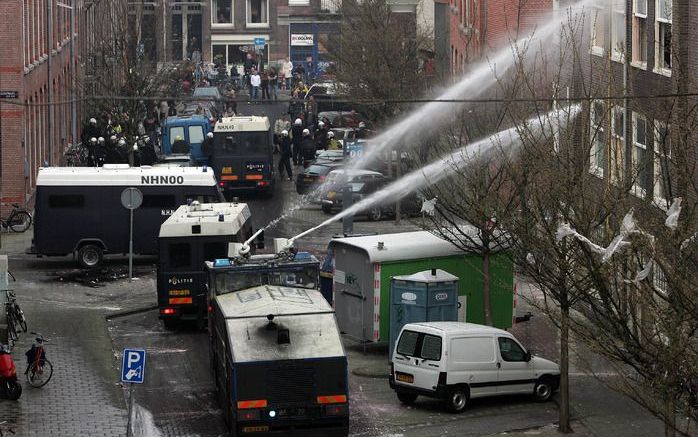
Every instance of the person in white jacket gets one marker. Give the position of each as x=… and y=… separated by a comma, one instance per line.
x=287, y=71
x=255, y=82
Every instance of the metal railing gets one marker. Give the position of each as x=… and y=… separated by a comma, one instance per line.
x=330, y=6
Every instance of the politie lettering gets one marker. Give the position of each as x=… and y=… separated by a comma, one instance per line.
x=162, y=180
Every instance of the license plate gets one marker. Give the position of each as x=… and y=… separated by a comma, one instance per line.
x=255, y=429
x=308, y=179
x=330, y=195
x=404, y=377
x=286, y=412
x=227, y=170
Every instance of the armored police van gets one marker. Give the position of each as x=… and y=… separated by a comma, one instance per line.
x=78, y=209
x=242, y=154
x=192, y=235
x=276, y=353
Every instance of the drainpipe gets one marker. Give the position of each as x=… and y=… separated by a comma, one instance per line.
x=49, y=85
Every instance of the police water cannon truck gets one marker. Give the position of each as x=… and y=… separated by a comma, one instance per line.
x=193, y=234
x=275, y=348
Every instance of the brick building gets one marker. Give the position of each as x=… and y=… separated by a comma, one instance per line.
x=643, y=48
x=470, y=29
x=35, y=79
x=224, y=31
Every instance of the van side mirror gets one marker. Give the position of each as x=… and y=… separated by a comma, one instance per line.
x=527, y=358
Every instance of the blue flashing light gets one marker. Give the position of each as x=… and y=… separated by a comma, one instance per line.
x=302, y=256
x=221, y=262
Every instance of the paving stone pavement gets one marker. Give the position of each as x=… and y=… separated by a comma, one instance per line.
x=75, y=402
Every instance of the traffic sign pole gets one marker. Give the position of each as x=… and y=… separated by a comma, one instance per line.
x=129, y=433
x=131, y=198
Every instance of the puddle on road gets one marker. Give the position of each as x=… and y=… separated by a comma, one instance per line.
x=100, y=276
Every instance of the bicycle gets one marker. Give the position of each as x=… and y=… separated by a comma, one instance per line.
x=15, y=315
x=39, y=369
x=19, y=219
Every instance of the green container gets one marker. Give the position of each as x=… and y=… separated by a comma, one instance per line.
x=365, y=265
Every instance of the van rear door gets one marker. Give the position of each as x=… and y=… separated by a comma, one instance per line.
x=417, y=359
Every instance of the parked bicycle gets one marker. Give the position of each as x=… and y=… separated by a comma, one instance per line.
x=19, y=219
x=15, y=316
x=39, y=369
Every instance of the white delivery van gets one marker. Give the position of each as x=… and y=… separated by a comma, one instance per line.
x=457, y=362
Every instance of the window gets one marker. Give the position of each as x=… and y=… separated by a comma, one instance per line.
x=158, y=201
x=257, y=13
x=618, y=30
x=196, y=134
x=419, y=345
x=659, y=280
x=66, y=201
x=598, y=138
x=222, y=12
x=179, y=255
x=176, y=132
x=203, y=198
x=640, y=33
x=510, y=350
x=663, y=37
x=639, y=156
x=662, y=164
x=617, y=150
x=298, y=2
x=431, y=348
x=599, y=27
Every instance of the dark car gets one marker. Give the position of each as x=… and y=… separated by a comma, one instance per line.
x=315, y=175
x=207, y=109
x=364, y=183
x=209, y=94
x=348, y=119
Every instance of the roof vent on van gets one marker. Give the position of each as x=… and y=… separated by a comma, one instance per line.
x=221, y=217
x=381, y=245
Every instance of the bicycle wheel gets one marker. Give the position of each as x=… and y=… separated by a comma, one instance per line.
x=38, y=374
x=20, y=221
x=21, y=319
x=11, y=326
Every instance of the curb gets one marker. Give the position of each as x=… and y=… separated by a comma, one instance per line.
x=367, y=372
x=130, y=312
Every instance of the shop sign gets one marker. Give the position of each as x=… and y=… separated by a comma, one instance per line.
x=302, y=39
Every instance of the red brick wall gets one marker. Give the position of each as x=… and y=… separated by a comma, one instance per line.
x=24, y=134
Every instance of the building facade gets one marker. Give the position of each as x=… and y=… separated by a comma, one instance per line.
x=38, y=73
x=225, y=31
x=644, y=49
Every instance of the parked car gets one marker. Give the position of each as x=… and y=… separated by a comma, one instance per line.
x=458, y=362
x=209, y=94
x=364, y=183
x=315, y=175
x=208, y=110
x=347, y=119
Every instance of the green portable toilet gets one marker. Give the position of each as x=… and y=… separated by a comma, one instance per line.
x=363, y=267
x=429, y=296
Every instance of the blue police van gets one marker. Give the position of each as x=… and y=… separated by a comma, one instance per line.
x=192, y=129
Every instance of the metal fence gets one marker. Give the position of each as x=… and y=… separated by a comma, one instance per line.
x=330, y=6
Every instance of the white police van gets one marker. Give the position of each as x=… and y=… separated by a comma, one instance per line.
x=78, y=209
x=457, y=361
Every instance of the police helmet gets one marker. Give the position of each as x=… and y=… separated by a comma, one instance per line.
x=306, y=132
x=330, y=134
x=93, y=121
x=298, y=122
x=284, y=132
x=93, y=140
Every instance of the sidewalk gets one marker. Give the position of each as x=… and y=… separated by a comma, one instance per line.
x=599, y=410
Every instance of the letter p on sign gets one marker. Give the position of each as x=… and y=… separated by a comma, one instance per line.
x=133, y=366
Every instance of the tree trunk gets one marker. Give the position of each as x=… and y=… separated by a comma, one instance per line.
x=486, y=296
x=564, y=419
x=670, y=420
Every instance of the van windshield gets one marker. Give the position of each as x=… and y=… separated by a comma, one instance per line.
x=419, y=345
x=242, y=143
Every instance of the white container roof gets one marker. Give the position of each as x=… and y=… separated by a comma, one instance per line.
x=123, y=175
x=243, y=124
x=427, y=277
x=399, y=246
x=207, y=217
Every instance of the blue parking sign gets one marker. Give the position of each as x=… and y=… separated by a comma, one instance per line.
x=133, y=366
